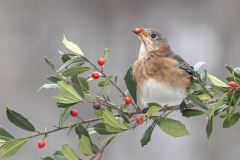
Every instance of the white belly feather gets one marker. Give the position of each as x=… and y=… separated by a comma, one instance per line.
x=153, y=91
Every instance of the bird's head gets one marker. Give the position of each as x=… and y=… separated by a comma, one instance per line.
x=152, y=40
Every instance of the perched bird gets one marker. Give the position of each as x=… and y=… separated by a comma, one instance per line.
x=162, y=76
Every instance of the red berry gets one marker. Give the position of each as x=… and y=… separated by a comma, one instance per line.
x=96, y=106
x=98, y=159
x=138, y=30
x=95, y=75
x=127, y=100
x=74, y=112
x=85, y=154
x=232, y=84
x=101, y=61
x=41, y=144
x=139, y=120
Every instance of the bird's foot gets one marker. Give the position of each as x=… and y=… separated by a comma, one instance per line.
x=183, y=106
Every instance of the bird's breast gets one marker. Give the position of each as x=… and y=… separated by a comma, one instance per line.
x=153, y=91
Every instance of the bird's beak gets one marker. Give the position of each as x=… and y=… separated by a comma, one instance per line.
x=140, y=31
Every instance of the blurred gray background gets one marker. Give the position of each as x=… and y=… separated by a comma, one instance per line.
x=206, y=30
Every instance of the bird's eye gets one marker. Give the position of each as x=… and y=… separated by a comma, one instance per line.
x=153, y=36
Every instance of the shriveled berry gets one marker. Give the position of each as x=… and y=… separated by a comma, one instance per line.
x=96, y=106
x=127, y=100
x=101, y=61
x=138, y=30
x=139, y=120
x=41, y=144
x=95, y=75
x=232, y=84
x=74, y=112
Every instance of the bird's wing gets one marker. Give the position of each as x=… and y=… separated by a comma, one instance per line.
x=182, y=64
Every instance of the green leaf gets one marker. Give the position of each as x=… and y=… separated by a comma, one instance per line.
x=192, y=112
x=197, y=101
x=209, y=127
x=68, y=152
x=68, y=91
x=76, y=64
x=108, y=99
x=2, y=142
x=148, y=133
x=195, y=87
x=220, y=109
x=198, y=66
x=109, y=118
x=5, y=134
x=237, y=72
x=203, y=76
x=58, y=155
x=95, y=148
x=220, y=89
x=105, y=84
x=151, y=104
x=219, y=102
x=46, y=158
x=115, y=79
x=62, y=105
x=71, y=46
x=85, y=145
x=107, y=139
x=18, y=120
x=71, y=61
x=123, y=115
x=228, y=122
x=131, y=84
x=172, y=127
x=101, y=129
x=217, y=81
x=203, y=96
x=101, y=84
x=48, y=86
x=153, y=110
x=106, y=53
x=65, y=57
x=80, y=130
x=99, y=113
x=84, y=83
x=75, y=71
x=65, y=100
x=111, y=129
x=229, y=68
x=64, y=114
x=77, y=86
x=50, y=64
x=53, y=79
x=13, y=146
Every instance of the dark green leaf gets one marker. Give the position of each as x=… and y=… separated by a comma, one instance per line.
x=122, y=114
x=75, y=71
x=20, y=121
x=65, y=57
x=101, y=84
x=68, y=152
x=203, y=76
x=84, y=83
x=148, y=133
x=197, y=101
x=198, y=66
x=131, y=84
x=237, y=72
x=108, y=99
x=172, y=127
x=48, y=86
x=77, y=86
x=228, y=122
x=5, y=134
x=229, y=68
x=101, y=129
x=80, y=130
x=209, y=127
x=62, y=105
x=220, y=89
x=53, y=79
x=220, y=109
x=64, y=114
x=76, y=64
x=195, y=87
x=58, y=155
x=46, y=158
x=219, y=102
x=192, y=112
x=13, y=146
x=223, y=116
x=51, y=65
x=105, y=84
x=106, y=52
x=95, y=148
x=71, y=61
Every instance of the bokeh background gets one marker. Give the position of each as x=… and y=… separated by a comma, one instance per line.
x=206, y=30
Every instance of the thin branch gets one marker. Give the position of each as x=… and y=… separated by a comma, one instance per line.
x=199, y=82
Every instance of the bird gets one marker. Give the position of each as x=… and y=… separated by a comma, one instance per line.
x=161, y=75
